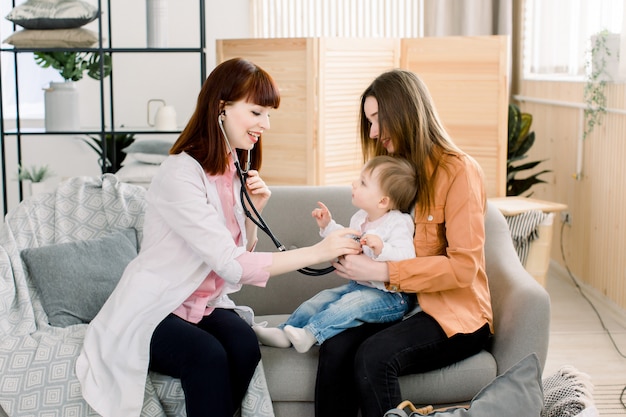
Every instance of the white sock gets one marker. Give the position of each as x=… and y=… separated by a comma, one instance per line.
x=271, y=336
x=301, y=339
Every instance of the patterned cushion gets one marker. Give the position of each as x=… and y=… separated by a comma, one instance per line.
x=53, y=14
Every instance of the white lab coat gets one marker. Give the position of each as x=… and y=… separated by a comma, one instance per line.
x=185, y=237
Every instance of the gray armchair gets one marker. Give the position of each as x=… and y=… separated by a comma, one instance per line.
x=521, y=308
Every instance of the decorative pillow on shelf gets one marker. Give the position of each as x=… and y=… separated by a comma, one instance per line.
x=76, y=278
x=152, y=151
x=137, y=172
x=53, y=38
x=53, y=14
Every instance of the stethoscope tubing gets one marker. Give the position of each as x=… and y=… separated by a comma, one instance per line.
x=257, y=219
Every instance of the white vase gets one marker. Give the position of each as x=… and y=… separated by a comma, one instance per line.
x=156, y=23
x=62, y=109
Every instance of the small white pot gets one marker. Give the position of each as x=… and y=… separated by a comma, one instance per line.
x=38, y=187
x=30, y=188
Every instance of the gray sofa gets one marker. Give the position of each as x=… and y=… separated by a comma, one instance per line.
x=521, y=308
x=36, y=359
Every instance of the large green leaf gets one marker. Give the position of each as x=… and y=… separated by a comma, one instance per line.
x=114, y=145
x=520, y=140
x=72, y=65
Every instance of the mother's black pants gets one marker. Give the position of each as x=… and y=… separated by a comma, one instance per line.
x=359, y=368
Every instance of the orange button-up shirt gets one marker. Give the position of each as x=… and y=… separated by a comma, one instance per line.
x=448, y=273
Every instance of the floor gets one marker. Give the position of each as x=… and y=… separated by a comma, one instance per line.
x=578, y=338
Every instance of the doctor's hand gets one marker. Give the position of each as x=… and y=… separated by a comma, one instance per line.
x=361, y=268
x=337, y=244
x=258, y=190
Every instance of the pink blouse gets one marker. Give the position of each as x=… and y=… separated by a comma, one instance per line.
x=195, y=306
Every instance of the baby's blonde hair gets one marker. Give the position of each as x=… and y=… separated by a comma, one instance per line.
x=398, y=180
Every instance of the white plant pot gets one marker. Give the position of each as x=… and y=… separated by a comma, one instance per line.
x=611, y=60
x=62, y=109
x=30, y=188
x=38, y=187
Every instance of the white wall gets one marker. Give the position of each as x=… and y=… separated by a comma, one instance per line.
x=137, y=78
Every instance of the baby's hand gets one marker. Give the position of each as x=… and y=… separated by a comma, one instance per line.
x=322, y=215
x=375, y=243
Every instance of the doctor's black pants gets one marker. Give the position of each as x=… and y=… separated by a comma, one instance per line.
x=215, y=360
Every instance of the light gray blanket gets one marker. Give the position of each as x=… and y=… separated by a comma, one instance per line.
x=37, y=376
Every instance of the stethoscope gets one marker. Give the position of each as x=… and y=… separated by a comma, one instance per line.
x=257, y=219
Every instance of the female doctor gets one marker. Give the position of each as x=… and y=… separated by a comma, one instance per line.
x=170, y=311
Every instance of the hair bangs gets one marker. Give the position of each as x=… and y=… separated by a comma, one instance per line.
x=263, y=90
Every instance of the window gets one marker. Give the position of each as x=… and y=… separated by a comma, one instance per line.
x=343, y=18
x=557, y=33
x=32, y=78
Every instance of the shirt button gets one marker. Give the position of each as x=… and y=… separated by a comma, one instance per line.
x=430, y=217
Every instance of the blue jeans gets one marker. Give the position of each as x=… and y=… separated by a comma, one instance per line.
x=334, y=310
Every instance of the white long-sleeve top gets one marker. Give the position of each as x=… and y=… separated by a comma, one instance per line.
x=185, y=238
x=395, y=229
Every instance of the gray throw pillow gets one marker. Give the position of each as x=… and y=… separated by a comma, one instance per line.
x=517, y=392
x=76, y=278
x=53, y=14
x=153, y=146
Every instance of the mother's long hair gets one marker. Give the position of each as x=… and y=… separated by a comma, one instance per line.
x=232, y=80
x=408, y=117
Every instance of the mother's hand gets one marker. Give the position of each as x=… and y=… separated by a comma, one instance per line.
x=361, y=268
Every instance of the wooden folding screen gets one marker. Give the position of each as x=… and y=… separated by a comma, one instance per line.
x=313, y=138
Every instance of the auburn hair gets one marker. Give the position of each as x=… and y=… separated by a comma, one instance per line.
x=232, y=80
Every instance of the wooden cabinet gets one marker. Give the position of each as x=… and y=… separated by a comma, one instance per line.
x=313, y=138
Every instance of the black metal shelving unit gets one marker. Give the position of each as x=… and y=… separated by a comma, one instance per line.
x=107, y=124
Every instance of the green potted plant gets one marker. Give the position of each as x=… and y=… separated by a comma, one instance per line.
x=72, y=65
x=62, y=111
x=114, y=145
x=34, y=177
x=520, y=140
x=601, y=58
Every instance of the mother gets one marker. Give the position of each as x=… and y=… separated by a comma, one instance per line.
x=360, y=367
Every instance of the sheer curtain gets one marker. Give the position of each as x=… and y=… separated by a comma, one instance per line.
x=557, y=33
x=467, y=17
x=336, y=18
x=380, y=18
